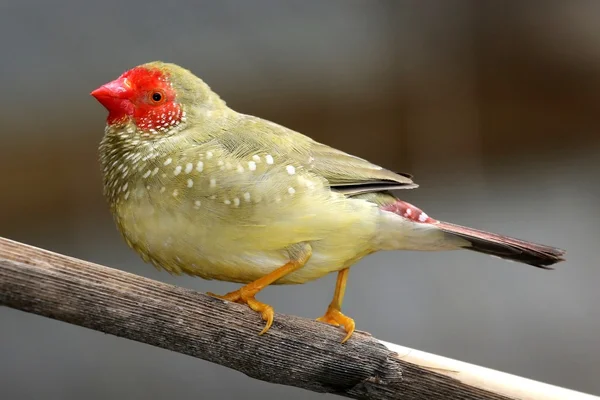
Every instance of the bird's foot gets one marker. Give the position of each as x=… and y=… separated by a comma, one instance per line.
x=333, y=316
x=245, y=296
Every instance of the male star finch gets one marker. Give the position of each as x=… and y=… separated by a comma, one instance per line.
x=198, y=188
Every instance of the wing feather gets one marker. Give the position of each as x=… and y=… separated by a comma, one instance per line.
x=344, y=172
x=353, y=175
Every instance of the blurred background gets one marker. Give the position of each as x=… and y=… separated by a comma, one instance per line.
x=493, y=106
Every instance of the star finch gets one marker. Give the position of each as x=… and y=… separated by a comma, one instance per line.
x=198, y=188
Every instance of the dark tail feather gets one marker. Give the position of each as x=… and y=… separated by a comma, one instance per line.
x=506, y=247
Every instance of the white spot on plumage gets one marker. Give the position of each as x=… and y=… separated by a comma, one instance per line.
x=209, y=155
x=175, y=193
x=168, y=161
x=220, y=163
x=240, y=169
x=199, y=166
x=124, y=188
x=423, y=217
x=291, y=190
x=214, y=196
x=408, y=211
x=251, y=165
x=126, y=195
x=269, y=159
x=164, y=175
x=177, y=170
x=213, y=182
x=247, y=196
x=227, y=201
x=256, y=158
x=236, y=202
x=306, y=182
x=155, y=171
x=190, y=183
x=290, y=169
x=162, y=189
x=189, y=167
x=197, y=204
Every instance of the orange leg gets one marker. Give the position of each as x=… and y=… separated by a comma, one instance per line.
x=334, y=315
x=245, y=294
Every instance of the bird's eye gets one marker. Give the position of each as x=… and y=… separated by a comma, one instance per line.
x=157, y=97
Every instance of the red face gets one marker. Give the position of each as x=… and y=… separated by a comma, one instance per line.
x=143, y=95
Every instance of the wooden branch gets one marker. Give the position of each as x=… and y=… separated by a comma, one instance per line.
x=296, y=351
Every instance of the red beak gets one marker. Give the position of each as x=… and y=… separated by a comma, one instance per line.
x=115, y=96
x=117, y=89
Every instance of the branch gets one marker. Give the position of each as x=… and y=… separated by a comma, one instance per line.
x=295, y=351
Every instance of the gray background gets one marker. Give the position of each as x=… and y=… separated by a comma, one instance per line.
x=493, y=107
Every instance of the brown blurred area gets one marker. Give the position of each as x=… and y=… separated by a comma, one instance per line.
x=493, y=106
x=453, y=84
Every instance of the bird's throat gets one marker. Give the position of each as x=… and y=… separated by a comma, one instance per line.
x=123, y=156
x=119, y=110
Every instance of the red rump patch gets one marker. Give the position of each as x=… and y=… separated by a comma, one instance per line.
x=408, y=211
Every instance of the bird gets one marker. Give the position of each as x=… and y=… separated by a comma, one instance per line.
x=197, y=188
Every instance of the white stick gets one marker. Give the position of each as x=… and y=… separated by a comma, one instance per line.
x=487, y=379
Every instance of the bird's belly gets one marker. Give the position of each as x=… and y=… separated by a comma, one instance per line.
x=197, y=244
x=231, y=263
x=251, y=266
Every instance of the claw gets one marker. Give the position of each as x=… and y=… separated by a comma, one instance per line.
x=328, y=320
x=336, y=318
x=232, y=296
x=245, y=294
x=242, y=296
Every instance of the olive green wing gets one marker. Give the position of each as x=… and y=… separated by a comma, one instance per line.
x=352, y=175
x=344, y=172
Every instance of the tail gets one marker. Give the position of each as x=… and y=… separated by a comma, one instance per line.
x=417, y=231
x=505, y=247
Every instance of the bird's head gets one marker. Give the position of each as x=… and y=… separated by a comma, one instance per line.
x=155, y=99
